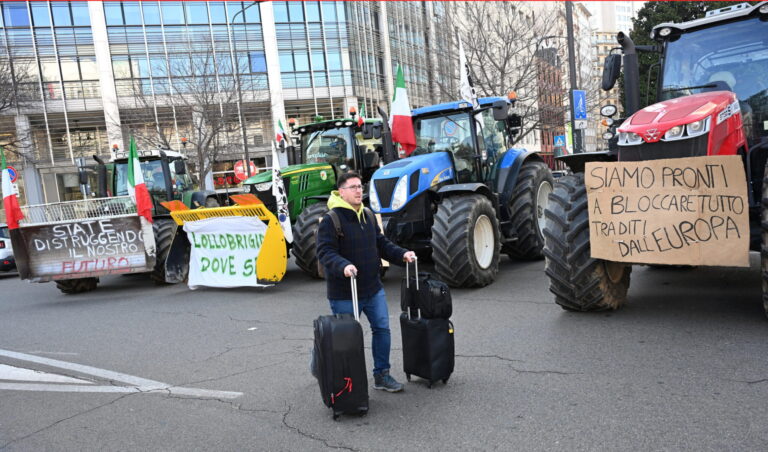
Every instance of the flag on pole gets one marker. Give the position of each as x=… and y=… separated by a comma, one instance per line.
x=278, y=191
x=400, y=120
x=137, y=189
x=361, y=117
x=280, y=133
x=466, y=90
x=13, y=212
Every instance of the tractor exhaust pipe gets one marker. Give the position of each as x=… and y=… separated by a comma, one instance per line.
x=631, y=73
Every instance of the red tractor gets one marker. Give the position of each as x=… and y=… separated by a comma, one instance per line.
x=712, y=100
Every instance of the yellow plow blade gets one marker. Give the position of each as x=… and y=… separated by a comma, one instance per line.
x=272, y=261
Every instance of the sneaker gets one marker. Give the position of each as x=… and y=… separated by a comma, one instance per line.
x=386, y=382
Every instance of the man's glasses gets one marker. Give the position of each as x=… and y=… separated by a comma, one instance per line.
x=353, y=187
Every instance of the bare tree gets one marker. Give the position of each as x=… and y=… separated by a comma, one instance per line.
x=197, y=102
x=16, y=92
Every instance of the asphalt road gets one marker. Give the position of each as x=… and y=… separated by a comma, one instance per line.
x=681, y=367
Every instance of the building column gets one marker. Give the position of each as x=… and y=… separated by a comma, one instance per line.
x=33, y=187
x=432, y=64
x=277, y=103
x=106, y=77
x=384, y=27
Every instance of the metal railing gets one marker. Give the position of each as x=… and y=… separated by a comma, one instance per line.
x=62, y=212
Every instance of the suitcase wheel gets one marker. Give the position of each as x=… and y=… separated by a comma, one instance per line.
x=335, y=417
x=408, y=377
x=445, y=381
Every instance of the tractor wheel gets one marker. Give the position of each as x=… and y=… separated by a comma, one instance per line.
x=305, y=238
x=211, y=202
x=764, y=247
x=465, y=241
x=79, y=285
x=527, y=205
x=579, y=282
x=164, y=230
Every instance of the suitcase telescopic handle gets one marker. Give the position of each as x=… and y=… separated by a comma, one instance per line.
x=416, y=269
x=355, y=305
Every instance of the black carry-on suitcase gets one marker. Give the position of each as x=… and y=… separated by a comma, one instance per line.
x=423, y=292
x=338, y=361
x=428, y=346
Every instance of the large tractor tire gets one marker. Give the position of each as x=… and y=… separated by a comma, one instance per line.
x=305, y=238
x=79, y=285
x=164, y=230
x=579, y=282
x=466, y=241
x=529, y=200
x=764, y=247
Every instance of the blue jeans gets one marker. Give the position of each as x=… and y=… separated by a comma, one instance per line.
x=375, y=308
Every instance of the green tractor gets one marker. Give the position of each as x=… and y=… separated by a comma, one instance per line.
x=326, y=149
x=166, y=177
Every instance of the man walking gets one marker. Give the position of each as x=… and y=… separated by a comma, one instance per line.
x=358, y=250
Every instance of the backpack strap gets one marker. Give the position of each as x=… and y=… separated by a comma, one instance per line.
x=334, y=216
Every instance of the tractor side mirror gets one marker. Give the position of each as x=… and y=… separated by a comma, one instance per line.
x=514, y=121
x=611, y=71
x=367, y=131
x=370, y=160
x=500, y=110
x=179, y=167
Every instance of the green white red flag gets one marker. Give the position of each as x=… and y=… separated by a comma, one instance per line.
x=361, y=117
x=13, y=212
x=400, y=118
x=280, y=132
x=137, y=189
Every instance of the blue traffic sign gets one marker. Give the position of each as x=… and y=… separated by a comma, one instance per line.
x=579, y=104
x=560, y=140
x=12, y=173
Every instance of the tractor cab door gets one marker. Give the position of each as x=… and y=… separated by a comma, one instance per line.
x=490, y=142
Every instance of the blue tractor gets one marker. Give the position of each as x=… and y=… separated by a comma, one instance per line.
x=465, y=195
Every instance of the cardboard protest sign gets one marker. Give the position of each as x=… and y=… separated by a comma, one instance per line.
x=686, y=211
x=85, y=248
x=224, y=251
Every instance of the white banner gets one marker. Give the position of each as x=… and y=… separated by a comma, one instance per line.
x=224, y=251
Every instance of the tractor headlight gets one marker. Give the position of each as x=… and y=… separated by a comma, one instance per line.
x=629, y=139
x=401, y=193
x=690, y=130
x=373, y=198
x=264, y=186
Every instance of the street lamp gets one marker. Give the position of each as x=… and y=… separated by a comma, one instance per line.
x=236, y=64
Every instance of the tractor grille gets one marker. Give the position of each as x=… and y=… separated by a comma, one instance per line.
x=385, y=189
x=693, y=147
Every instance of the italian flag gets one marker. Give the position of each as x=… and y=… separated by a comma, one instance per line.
x=361, y=117
x=400, y=118
x=136, y=186
x=280, y=134
x=10, y=202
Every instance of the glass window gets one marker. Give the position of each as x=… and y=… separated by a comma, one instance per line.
x=313, y=11
x=88, y=68
x=61, y=15
x=159, y=66
x=69, y=69
x=15, y=14
x=80, y=14
x=173, y=13
x=340, y=11
x=143, y=66
x=252, y=14
x=197, y=13
x=318, y=61
x=302, y=80
x=151, y=13
x=320, y=79
x=334, y=60
x=218, y=14
x=295, y=11
x=114, y=13
x=281, y=11
x=50, y=71
x=40, y=14
x=258, y=62
x=132, y=13
x=329, y=11
x=301, y=61
x=286, y=62
x=120, y=67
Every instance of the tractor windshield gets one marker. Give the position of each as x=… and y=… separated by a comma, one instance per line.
x=332, y=146
x=152, y=170
x=450, y=133
x=732, y=56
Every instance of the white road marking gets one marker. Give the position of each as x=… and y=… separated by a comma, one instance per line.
x=21, y=374
x=135, y=384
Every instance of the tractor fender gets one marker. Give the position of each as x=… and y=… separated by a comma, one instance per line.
x=509, y=168
x=198, y=198
x=576, y=162
x=454, y=189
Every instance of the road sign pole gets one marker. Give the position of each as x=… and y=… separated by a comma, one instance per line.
x=576, y=134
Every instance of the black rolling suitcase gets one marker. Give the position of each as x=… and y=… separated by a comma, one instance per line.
x=428, y=345
x=423, y=292
x=338, y=361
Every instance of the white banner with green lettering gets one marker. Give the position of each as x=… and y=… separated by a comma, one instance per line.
x=224, y=251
